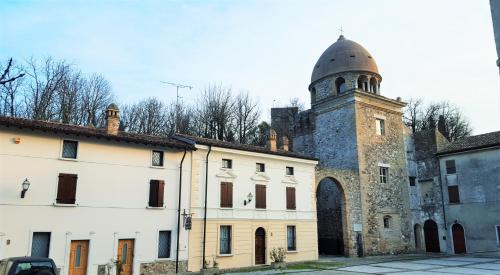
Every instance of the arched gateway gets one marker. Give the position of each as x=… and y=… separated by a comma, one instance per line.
x=330, y=206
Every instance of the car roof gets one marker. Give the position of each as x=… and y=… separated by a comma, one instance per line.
x=33, y=259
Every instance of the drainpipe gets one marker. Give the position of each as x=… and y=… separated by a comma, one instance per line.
x=442, y=191
x=179, y=213
x=205, y=212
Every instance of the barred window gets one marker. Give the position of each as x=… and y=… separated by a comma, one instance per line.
x=225, y=240
x=40, y=244
x=164, y=241
x=157, y=158
x=291, y=238
x=260, y=167
x=70, y=149
x=289, y=171
x=227, y=163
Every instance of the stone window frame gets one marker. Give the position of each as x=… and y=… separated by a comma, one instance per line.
x=383, y=178
x=387, y=222
x=380, y=125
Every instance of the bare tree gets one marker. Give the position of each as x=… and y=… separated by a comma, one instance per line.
x=247, y=115
x=146, y=117
x=95, y=98
x=69, y=98
x=11, y=82
x=214, y=113
x=442, y=115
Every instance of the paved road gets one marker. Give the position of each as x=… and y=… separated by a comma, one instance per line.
x=424, y=266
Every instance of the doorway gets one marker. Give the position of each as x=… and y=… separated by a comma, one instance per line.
x=458, y=233
x=330, y=206
x=431, y=236
x=260, y=246
x=78, y=257
x=125, y=256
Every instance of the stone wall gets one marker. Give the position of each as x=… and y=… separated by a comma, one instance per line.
x=283, y=121
x=161, y=267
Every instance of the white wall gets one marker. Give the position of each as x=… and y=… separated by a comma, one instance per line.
x=244, y=179
x=112, y=196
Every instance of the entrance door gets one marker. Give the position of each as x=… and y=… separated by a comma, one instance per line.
x=458, y=239
x=125, y=256
x=260, y=246
x=78, y=257
x=431, y=236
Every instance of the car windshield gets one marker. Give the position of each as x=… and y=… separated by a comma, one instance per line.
x=32, y=268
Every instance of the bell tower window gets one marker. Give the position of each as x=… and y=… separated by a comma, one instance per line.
x=340, y=85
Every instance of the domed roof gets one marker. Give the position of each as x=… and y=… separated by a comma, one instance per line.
x=112, y=106
x=342, y=56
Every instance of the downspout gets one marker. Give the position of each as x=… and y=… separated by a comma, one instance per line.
x=205, y=212
x=179, y=213
x=442, y=191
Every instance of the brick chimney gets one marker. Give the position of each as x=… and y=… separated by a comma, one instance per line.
x=272, y=140
x=112, y=119
x=285, y=144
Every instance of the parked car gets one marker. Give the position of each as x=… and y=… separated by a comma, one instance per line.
x=27, y=266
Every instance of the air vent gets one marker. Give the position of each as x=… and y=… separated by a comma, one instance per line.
x=352, y=55
x=333, y=59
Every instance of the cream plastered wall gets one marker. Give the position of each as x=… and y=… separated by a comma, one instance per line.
x=112, y=197
x=246, y=218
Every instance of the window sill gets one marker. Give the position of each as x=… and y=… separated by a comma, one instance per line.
x=291, y=210
x=292, y=251
x=68, y=159
x=157, y=167
x=454, y=203
x=224, y=255
x=226, y=208
x=155, y=207
x=164, y=259
x=261, y=209
x=64, y=204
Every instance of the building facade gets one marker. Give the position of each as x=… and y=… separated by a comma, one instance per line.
x=257, y=199
x=92, y=197
x=470, y=172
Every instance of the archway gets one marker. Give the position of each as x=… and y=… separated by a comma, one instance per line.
x=330, y=206
x=431, y=236
x=363, y=83
x=458, y=233
x=340, y=85
x=417, y=230
x=260, y=246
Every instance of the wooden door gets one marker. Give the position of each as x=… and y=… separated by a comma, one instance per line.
x=431, y=236
x=458, y=239
x=125, y=256
x=260, y=246
x=78, y=257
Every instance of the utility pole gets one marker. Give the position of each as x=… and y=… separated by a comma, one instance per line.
x=177, y=86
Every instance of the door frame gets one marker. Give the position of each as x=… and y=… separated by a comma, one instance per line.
x=135, y=237
x=78, y=237
x=452, y=242
x=266, y=240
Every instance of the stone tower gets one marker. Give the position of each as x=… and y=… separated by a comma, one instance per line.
x=357, y=134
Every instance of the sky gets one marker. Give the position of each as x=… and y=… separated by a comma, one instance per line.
x=434, y=50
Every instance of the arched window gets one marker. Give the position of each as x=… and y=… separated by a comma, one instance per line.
x=340, y=85
x=373, y=85
x=387, y=221
x=363, y=83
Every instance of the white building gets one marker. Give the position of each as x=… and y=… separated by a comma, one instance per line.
x=94, y=196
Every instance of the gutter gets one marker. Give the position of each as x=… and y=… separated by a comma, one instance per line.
x=179, y=212
x=205, y=211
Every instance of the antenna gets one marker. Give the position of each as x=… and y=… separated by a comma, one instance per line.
x=177, y=86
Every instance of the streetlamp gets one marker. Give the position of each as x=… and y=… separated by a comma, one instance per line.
x=26, y=186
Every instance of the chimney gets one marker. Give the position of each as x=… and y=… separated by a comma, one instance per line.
x=285, y=144
x=112, y=119
x=272, y=140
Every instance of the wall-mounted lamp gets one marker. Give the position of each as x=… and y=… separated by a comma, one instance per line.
x=249, y=199
x=26, y=186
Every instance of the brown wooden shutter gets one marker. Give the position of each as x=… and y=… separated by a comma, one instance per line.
x=153, y=192
x=453, y=195
x=290, y=198
x=260, y=196
x=66, y=188
x=226, y=194
x=161, y=190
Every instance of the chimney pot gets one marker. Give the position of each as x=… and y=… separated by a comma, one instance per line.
x=112, y=119
x=285, y=144
x=272, y=140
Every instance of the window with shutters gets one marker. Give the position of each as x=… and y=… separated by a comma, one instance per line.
x=227, y=163
x=156, y=192
x=40, y=244
x=226, y=194
x=453, y=194
x=291, y=238
x=289, y=171
x=157, y=158
x=290, y=198
x=260, y=196
x=225, y=240
x=260, y=167
x=66, y=189
x=164, y=243
x=450, y=167
x=70, y=149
